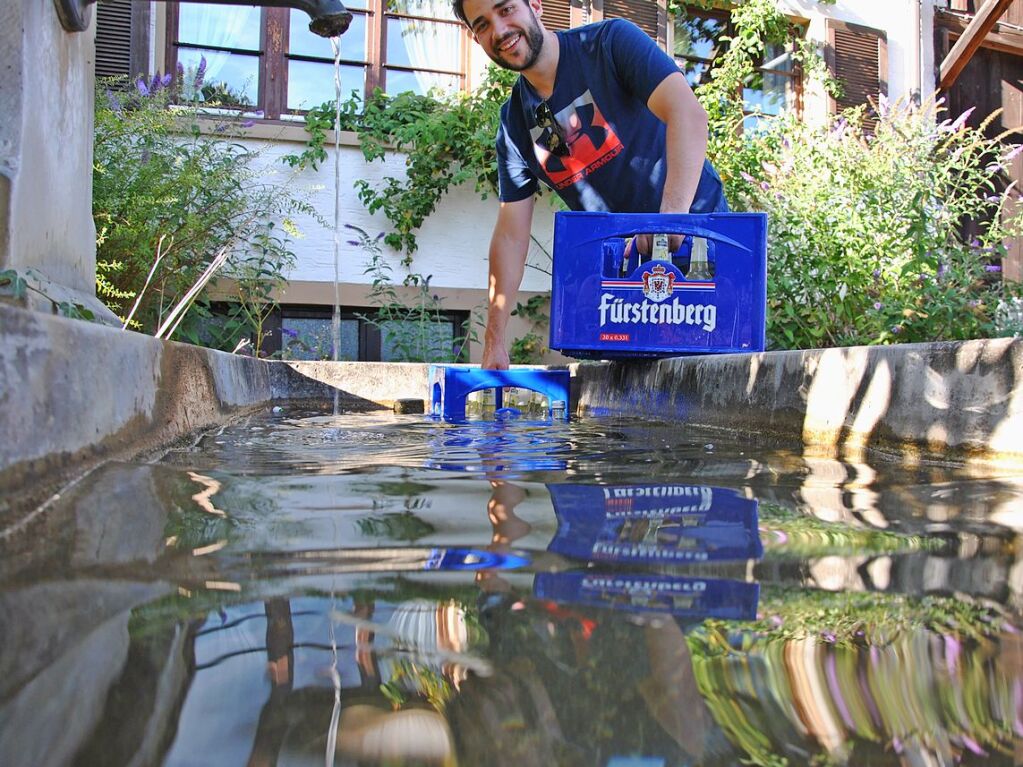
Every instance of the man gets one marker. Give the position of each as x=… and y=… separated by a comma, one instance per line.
x=601, y=115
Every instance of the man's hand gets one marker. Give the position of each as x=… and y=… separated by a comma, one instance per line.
x=644, y=242
x=495, y=355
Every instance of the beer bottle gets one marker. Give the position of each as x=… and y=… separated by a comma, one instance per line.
x=699, y=269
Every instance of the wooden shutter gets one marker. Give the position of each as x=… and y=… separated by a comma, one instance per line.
x=113, y=38
x=648, y=15
x=858, y=58
x=557, y=14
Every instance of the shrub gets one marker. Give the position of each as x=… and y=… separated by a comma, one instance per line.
x=161, y=184
x=866, y=237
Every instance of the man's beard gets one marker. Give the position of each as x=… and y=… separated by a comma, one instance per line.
x=533, y=38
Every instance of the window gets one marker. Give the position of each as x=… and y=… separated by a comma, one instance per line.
x=774, y=88
x=267, y=58
x=306, y=335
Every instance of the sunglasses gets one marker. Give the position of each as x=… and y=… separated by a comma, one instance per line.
x=553, y=137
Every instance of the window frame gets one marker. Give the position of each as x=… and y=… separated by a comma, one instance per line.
x=273, y=55
x=370, y=337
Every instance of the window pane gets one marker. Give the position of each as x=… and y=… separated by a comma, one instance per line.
x=220, y=26
x=420, y=82
x=697, y=72
x=231, y=78
x=696, y=36
x=778, y=57
x=402, y=342
x=308, y=338
x=435, y=9
x=424, y=44
x=311, y=84
x=304, y=43
x=770, y=93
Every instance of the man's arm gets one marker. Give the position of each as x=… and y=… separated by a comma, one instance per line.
x=509, y=246
x=676, y=106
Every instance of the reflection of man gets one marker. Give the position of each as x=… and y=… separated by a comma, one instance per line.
x=602, y=116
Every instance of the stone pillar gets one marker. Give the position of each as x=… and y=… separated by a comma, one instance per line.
x=46, y=134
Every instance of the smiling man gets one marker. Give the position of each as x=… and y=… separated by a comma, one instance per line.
x=602, y=116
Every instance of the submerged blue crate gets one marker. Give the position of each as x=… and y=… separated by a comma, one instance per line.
x=451, y=386
x=604, y=306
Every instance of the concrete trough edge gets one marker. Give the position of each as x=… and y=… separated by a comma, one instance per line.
x=73, y=394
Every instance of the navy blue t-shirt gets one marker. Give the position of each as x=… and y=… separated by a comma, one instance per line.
x=606, y=73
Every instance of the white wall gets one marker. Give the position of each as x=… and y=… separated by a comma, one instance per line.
x=453, y=242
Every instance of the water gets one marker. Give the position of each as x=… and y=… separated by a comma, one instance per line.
x=306, y=588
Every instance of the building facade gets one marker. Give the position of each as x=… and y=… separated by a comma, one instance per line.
x=265, y=59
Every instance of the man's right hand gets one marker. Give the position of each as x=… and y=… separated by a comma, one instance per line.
x=495, y=355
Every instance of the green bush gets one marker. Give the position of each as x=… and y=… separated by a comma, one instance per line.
x=164, y=187
x=866, y=242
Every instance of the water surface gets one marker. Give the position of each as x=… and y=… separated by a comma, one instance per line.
x=304, y=588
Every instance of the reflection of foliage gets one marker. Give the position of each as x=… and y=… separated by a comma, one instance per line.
x=844, y=618
x=222, y=94
x=408, y=676
x=861, y=674
x=789, y=533
x=400, y=526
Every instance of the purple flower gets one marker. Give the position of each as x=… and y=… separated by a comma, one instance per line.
x=140, y=84
x=878, y=305
x=289, y=332
x=992, y=268
x=115, y=105
x=1013, y=153
x=200, y=73
x=973, y=304
x=877, y=274
x=896, y=329
x=942, y=269
x=154, y=86
x=747, y=177
x=921, y=279
x=764, y=185
x=827, y=636
x=961, y=120
x=181, y=70
x=167, y=79
x=356, y=243
x=973, y=746
x=247, y=123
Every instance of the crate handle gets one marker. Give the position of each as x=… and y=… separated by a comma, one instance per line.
x=694, y=231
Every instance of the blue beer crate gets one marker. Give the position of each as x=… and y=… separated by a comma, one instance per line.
x=606, y=305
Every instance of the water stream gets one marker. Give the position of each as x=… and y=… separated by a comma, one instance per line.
x=335, y=323
x=388, y=590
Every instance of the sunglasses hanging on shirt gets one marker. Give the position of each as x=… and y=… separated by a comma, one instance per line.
x=553, y=137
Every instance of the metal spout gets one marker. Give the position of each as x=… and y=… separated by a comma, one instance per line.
x=328, y=18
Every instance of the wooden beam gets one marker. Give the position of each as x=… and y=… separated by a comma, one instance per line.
x=1004, y=40
x=972, y=38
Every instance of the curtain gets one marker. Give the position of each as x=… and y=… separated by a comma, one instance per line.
x=429, y=44
x=221, y=26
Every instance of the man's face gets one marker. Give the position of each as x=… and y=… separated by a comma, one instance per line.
x=507, y=30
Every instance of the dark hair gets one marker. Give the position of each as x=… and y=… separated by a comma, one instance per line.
x=456, y=6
